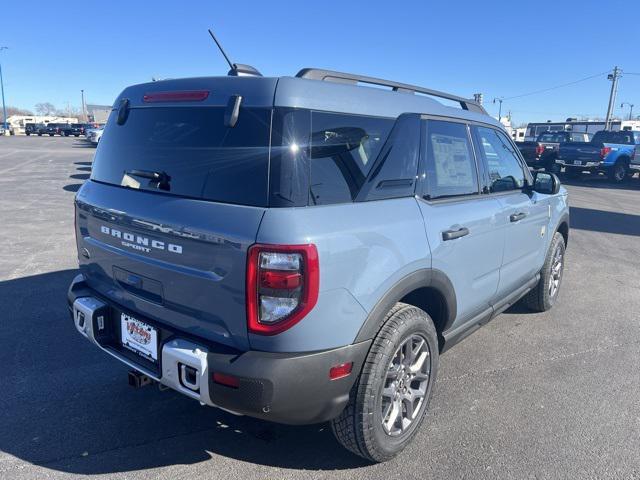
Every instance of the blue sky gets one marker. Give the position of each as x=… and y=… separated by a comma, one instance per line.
x=494, y=47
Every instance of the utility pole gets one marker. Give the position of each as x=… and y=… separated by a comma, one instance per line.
x=612, y=96
x=84, y=111
x=4, y=107
x=630, y=108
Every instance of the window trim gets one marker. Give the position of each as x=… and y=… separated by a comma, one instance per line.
x=422, y=184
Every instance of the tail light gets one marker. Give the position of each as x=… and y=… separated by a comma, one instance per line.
x=282, y=286
x=604, y=151
x=539, y=149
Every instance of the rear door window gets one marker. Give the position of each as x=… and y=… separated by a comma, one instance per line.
x=190, y=152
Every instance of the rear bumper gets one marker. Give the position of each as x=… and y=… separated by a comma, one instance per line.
x=584, y=165
x=291, y=388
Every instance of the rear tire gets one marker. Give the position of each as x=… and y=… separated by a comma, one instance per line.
x=618, y=173
x=545, y=293
x=388, y=402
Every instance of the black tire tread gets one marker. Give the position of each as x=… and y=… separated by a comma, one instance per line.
x=536, y=299
x=354, y=428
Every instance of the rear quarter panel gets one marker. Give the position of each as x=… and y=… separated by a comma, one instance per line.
x=364, y=249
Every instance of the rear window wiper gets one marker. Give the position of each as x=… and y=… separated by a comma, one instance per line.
x=161, y=179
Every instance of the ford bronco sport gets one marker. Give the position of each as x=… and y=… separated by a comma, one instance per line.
x=303, y=249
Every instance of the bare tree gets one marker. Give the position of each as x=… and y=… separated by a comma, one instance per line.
x=45, y=108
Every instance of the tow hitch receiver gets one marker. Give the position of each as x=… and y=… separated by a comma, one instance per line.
x=138, y=380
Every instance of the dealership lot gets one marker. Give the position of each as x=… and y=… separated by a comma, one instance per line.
x=551, y=395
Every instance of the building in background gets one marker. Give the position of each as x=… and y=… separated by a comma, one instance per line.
x=588, y=126
x=98, y=113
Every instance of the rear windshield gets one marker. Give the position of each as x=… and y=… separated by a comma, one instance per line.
x=188, y=151
x=613, y=137
x=552, y=137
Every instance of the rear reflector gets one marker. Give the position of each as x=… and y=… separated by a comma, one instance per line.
x=176, y=96
x=226, y=380
x=340, y=371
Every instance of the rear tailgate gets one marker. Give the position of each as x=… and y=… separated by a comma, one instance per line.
x=178, y=261
x=571, y=152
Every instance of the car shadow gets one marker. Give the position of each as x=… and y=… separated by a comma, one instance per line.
x=80, y=176
x=83, y=163
x=72, y=187
x=600, y=181
x=66, y=405
x=605, y=221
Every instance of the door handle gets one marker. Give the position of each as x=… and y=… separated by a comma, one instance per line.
x=453, y=234
x=516, y=217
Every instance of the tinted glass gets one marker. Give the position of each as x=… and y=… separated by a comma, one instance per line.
x=289, y=171
x=343, y=150
x=503, y=166
x=551, y=137
x=190, y=151
x=450, y=164
x=613, y=137
x=394, y=172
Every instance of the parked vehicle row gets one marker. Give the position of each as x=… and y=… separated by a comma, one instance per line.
x=615, y=154
x=62, y=129
x=543, y=152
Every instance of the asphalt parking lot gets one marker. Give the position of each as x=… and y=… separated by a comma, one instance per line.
x=552, y=395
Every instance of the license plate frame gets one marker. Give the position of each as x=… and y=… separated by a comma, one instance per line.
x=139, y=337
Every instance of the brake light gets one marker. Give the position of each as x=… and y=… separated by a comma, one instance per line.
x=176, y=96
x=604, y=151
x=282, y=286
x=539, y=149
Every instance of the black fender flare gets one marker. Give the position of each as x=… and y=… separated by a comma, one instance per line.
x=422, y=278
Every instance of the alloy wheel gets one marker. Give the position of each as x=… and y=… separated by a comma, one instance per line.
x=405, y=386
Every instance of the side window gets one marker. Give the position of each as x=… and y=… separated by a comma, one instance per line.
x=450, y=164
x=394, y=172
x=503, y=166
x=343, y=150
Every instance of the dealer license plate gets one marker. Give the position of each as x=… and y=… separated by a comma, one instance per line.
x=139, y=337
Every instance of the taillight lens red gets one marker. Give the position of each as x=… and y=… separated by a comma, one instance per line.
x=604, y=151
x=539, y=149
x=282, y=286
x=176, y=96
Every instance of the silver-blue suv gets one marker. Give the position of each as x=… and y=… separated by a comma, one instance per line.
x=303, y=249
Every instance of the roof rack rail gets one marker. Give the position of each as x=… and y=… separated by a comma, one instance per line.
x=340, y=77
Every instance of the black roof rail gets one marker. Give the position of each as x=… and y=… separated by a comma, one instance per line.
x=340, y=77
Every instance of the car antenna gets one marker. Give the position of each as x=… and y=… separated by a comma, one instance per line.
x=237, y=69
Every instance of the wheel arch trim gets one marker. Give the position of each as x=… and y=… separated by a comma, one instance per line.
x=423, y=278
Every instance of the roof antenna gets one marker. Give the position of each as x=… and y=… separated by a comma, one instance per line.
x=237, y=69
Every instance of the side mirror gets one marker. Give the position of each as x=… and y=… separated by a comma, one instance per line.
x=546, y=183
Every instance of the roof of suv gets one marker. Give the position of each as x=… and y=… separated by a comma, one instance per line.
x=297, y=92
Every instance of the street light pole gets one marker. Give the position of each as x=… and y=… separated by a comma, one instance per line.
x=4, y=107
x=630, y=108
x=84, y=111
x=500, y=108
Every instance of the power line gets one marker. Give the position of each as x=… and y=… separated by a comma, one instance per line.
x=556, y=87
